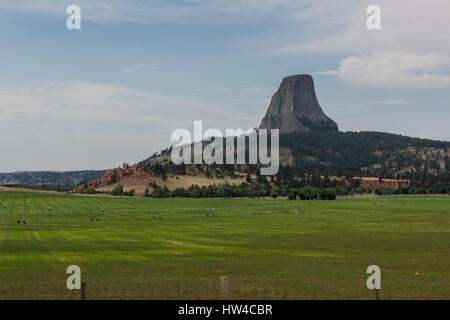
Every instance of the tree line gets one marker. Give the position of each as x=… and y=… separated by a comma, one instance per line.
x=255, y=190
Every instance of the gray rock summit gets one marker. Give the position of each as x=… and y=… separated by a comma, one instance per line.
x=294, y=107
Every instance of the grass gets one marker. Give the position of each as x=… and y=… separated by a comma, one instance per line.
x=277, y=253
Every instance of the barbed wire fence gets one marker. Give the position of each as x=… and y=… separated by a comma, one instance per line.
x=223, y=289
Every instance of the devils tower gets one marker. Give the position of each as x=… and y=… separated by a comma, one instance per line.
x=294, y=107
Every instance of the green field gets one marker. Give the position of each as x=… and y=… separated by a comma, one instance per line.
x=266, y=248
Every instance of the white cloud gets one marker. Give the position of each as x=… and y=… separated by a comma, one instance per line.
x=407, y=25
x=134, y=68
x=86, y=101
x=257, y=91
x=151, y=11
x=396, y=69
x=307, y=25
x=411, y=50
x=391, y=101
x=224, y=90
x=302, y=26
x=81, y=125
x=328, y=72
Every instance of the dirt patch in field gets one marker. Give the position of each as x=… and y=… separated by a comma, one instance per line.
x=172, y=182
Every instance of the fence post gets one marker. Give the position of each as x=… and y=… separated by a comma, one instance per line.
x=83, y=291
x=224, y=287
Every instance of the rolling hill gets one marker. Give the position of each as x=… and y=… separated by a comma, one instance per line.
x=69, y=178
x=312, y=150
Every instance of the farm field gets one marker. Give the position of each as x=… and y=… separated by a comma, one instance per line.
x=266, y=247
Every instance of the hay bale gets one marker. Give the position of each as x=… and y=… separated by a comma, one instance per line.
x=102, y=210
x=50, y=209
x=5, y=207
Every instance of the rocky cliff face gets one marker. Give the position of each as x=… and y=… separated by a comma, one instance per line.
x=294, y=107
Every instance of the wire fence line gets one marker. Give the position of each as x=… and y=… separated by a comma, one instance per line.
x=206, y=291
x=212, y=288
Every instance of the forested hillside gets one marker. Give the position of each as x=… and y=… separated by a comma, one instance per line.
x=366, y=154
x=337, y=162
x=68, y=178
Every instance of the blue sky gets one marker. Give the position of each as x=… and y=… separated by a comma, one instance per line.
x=115, y=90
